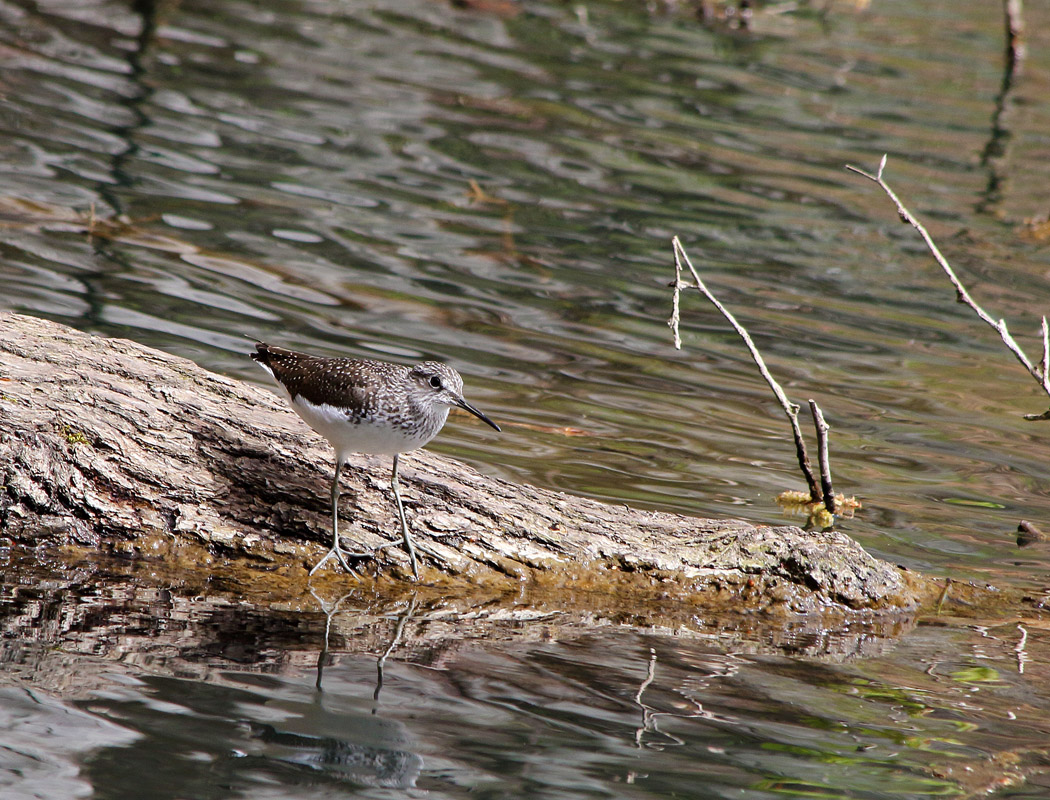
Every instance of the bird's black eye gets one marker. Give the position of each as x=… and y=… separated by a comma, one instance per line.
x=435, y=381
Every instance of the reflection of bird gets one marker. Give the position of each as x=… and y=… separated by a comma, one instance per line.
x=367, y=407
x=361, y=764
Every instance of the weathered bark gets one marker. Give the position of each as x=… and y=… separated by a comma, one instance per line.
x=108, y=444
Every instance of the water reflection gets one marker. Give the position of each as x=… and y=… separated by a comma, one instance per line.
x=173, y=696
x=395, y=640
x=329, y=610
x=649, y=733
x=366, y=752
x=360, y=764
x=500, y=190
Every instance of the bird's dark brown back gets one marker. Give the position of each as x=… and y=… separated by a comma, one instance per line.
x=343, y=382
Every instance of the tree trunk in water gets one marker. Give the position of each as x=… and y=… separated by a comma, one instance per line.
x=109, y=445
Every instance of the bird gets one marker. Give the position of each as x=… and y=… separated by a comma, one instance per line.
x=365, y=406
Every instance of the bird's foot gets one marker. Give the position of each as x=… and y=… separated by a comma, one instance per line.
x=342, y=555
x=336, y=553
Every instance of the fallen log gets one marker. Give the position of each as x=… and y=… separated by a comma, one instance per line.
x=110, y=446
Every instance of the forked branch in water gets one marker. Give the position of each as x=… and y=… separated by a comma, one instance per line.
x=816, y=492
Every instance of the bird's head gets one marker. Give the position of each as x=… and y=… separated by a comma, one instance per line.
x=439, y=384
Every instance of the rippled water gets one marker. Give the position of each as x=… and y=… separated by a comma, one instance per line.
x=498, y=188
x=165, y=696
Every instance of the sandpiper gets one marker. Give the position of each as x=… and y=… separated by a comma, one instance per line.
x=363, y=406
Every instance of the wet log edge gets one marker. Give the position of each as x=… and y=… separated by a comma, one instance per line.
x=108, y=446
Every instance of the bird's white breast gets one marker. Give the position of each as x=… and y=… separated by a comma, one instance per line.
x=362, y=435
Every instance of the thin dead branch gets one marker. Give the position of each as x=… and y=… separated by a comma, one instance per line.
x=1016, y=50
x=790, y=409
x=1041, y=374
x=822, y=456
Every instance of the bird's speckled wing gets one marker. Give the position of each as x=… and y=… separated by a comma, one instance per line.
x=344, y=382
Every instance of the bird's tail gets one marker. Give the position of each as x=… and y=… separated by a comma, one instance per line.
x=263, y=354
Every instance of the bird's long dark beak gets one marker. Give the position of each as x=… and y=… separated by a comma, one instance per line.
x=468, y=407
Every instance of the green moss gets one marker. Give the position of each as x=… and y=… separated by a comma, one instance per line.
x=73, y=436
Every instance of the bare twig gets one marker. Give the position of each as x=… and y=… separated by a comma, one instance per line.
x=1022, y=653
x=822, y=456
x=1015, y=44
x=1042, y=376
x=1046, y=350
x=676, y=305
x=789, y=408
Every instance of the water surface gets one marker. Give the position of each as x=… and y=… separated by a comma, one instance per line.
x=498, y=188
x=151, y=693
